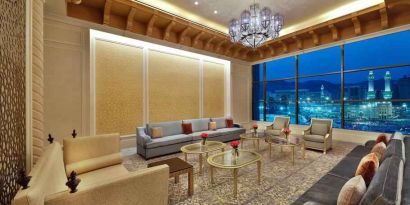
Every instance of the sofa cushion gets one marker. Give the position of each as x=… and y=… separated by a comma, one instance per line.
x=332, y=186
x=187, y=128
x=168, y=128
x=397, y=136
x=233, y=130
x=382, y=138
x=229, y=123
x=198, y=124
x=220, y=122
x=274, y=132
x=100, y=175
x=406, y=142
x=385, y=187
x=352, y=192
x=156, y=132
x=319, y=129
x=395, y=148
x=405, y=197
x=212, y=126
x=83, y=148
x=168, y=140
x=94, y=163
x=379, y=149
x=211, y=134
x=280, y=123
x=314, y=138
x=368, y=167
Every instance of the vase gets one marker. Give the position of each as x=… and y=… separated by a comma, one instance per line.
x=203, y=141
x=235, y=153
x=255, y=130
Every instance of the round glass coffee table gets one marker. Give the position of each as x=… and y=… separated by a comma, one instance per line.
x=254, y=136
x=200, y=150
x=292, y=142
x=227, y=160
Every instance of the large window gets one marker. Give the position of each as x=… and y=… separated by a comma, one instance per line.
x=363, y=85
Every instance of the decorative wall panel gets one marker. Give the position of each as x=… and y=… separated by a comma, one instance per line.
x=173, y=87
x=12, y=96
x=214, y=89
x=119, y=88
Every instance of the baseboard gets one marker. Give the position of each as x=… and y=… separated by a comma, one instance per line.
x=128, y=141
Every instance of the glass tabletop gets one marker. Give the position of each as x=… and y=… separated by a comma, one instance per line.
x=199, y=148
x=228, y=160
x=290, y=141
x=252, y=134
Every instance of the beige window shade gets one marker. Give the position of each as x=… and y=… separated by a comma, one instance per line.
x=173, y=87
x=119, y=88
x=214, y=89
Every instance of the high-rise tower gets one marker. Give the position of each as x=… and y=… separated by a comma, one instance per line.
x=387, y=94
x=322, y=92
x=370, y=92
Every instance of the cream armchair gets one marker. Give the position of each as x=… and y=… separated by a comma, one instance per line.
x=278, y=124
x=104, y=180
x=319, y=135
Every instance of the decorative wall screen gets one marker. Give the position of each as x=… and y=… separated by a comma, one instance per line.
x=12, y=97
x=214, y=89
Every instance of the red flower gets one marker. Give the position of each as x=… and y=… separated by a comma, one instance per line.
x=235, y=144
x=204, y=135
x=286, y=131
x=255, y=126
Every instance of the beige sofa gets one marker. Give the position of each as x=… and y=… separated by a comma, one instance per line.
x=104, y=180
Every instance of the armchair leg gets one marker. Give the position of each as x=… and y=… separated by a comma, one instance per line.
x=324, y=148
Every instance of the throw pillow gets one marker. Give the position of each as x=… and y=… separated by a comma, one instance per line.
x=320, y=129
x=156, y=132
x=368, y=167
x=352, y=192
x=382, y=138
x=229, y=123
x=212, y=125
x=379, y=149
x=187, y=128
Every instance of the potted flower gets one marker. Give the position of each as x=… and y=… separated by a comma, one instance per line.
x=235, y=146
x=204, y=137
x=255, y=127
x=286, y=131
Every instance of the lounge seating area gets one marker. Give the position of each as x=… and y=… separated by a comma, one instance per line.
x=200, y=102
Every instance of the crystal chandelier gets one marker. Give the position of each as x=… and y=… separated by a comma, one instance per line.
x=255, y=26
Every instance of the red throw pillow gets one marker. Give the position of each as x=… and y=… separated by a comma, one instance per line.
x=368, y=167
x=382, y=138
x=229, y=123
x=187, y=128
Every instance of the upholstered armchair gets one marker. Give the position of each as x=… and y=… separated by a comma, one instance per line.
x=319, y=135
x=278, y=124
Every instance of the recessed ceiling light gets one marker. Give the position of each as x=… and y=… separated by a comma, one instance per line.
x=215, y=11
x=196, y=2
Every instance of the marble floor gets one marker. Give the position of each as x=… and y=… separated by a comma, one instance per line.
x=282, y=182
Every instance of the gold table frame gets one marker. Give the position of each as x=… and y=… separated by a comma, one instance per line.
x=301, y=144
x=185, y=149
x=235, y=168
x=251, y=136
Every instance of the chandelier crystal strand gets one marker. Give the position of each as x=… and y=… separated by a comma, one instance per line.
x=255, y=26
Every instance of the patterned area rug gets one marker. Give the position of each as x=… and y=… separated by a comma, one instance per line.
x=281, y=182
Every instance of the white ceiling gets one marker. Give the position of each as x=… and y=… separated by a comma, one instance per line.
x=295, y=11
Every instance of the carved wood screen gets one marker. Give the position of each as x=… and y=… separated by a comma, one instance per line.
x=12, y=96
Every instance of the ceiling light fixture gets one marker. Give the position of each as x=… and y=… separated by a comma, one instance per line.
x=255, y=26
x=196, y=3
x=215, y=12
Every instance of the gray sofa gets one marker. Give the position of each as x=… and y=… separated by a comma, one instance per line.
x=390, y=185
x=173, y=138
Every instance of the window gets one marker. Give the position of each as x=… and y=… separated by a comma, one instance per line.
x=392, y=49
x=371, y=92
x=319, y=62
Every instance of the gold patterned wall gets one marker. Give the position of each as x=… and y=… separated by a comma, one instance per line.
x=119, y=88
x=12, y=96
x=173, y=87
x=214, y=89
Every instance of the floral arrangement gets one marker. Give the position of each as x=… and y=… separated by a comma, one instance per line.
x=286, y=131
x=235, y=146
x=204, y=137
x=255, y=127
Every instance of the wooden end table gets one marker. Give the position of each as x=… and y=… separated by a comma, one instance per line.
x=177, y=167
